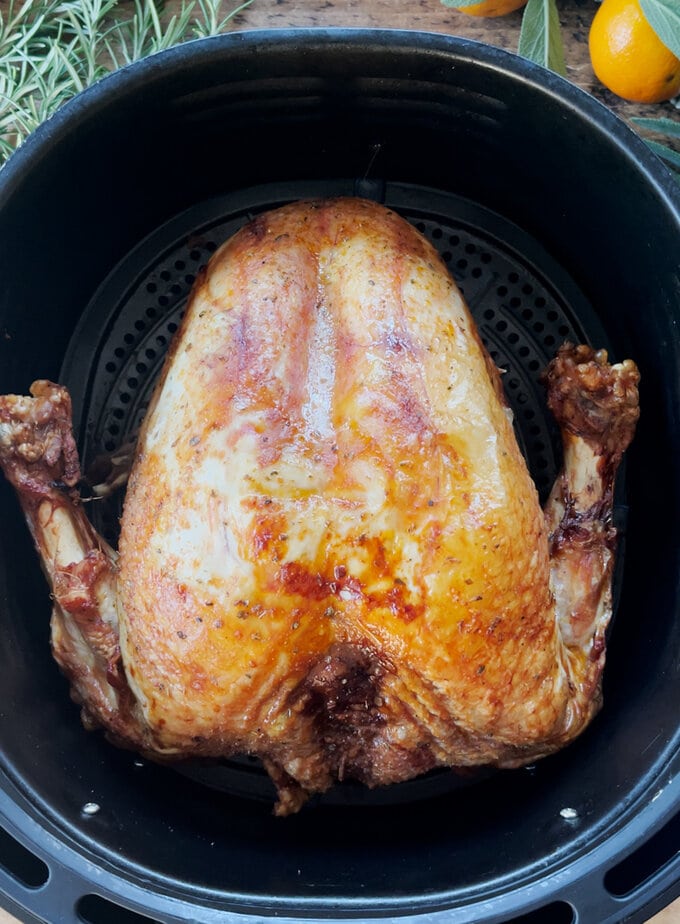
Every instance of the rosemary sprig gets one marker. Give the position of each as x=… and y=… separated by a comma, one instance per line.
x=50, y=50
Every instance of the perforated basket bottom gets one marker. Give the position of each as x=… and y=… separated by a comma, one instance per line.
x=524, y=304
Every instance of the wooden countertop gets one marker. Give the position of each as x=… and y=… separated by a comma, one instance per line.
x=432, y=16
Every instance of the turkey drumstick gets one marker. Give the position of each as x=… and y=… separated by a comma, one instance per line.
x=39, y=457
x=596, y=406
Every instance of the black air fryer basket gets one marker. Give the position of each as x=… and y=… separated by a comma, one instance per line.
x=558, y=224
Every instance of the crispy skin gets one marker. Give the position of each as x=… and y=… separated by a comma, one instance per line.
x=328, y=494
x=332, y=554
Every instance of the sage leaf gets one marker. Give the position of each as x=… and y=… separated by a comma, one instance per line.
x=540, y=38
x=458, y=4
x=671, y=157
x=668, y=129
x=662, y=126
x=664, y=17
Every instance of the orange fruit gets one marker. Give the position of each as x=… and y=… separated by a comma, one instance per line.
x=492, y=7
x=627, y=55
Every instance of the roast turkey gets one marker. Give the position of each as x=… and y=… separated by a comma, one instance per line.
x=332, y=555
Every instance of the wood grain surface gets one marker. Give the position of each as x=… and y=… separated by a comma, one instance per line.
x=432, y=16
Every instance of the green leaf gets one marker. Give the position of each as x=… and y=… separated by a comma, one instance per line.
x=540, y=38
x=669, y=129
x=51, y=49
x=671, y=157
x=662, y=126
x=664, y=18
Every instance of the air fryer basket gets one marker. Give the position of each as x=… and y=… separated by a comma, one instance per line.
x=558, y=224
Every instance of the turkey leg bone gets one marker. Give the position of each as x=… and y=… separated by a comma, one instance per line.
x=596, y=407
x=39, y=457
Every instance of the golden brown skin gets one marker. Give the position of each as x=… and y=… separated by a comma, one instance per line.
x=332, y=554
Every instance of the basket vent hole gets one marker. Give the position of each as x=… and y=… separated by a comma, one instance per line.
x=646, y=861
x=20, y=863
x=92, y=909
x=554, y=913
